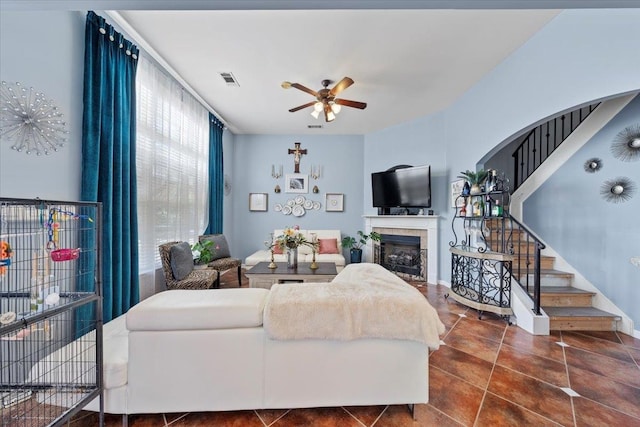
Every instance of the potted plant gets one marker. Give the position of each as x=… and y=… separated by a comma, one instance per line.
x=203, y=252
x=475, y=179
x=355, y=244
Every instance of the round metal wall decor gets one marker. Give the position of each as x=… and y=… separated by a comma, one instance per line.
x=626, y=144
x=30, y=121
x=617, y=190
x=593, y=165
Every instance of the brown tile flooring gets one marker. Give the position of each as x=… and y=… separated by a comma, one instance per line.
x=485, y=374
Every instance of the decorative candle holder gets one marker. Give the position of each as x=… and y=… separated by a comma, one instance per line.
x=314, y=245
x=272, y=265
x=313, y=265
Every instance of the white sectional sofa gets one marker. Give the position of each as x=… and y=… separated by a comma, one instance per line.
x=304, y=252
x=234, y=349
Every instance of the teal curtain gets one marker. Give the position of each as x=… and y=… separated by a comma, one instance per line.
x=216, y=176
x=109, y=158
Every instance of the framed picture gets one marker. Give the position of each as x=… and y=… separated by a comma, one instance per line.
x=258, y=202
x=456, y=190
x=296, y=183
x=334, y=202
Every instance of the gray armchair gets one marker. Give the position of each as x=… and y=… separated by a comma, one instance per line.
x=222, y=259
x=177, y=265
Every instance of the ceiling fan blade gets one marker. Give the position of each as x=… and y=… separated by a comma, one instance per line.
x=300, y=107
x=304, y=89
x=352, y=104
x=340, y=86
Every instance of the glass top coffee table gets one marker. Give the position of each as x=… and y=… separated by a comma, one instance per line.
x=261, y=276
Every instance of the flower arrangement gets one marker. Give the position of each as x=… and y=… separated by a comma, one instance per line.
x=291, y=238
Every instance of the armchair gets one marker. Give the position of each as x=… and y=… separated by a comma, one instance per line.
x=222, y=258
x=177, y=265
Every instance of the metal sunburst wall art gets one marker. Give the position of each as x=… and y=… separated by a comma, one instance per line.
x=617, y=190
x=593, y=165
x=626, y=144
x=30, y=121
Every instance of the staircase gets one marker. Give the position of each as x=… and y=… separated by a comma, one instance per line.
x=568, y=308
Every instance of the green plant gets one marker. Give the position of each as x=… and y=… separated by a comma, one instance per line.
x=349, y=242
x=476, y=178
x=205, y=251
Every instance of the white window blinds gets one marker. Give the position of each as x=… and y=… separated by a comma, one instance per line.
x=172, y=149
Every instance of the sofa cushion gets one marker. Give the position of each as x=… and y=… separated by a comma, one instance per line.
x=181, y=260
x=220, y=245
x=180, y=310
x=328, y=246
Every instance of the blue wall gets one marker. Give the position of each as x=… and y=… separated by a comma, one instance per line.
x=419, y=142
x=581, y=55
x=341, y=158
x=44, y=50
x=594, y=236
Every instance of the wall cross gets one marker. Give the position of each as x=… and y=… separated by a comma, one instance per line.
x=297, y=153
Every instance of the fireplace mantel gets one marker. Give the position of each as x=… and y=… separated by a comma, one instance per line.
x=414, y=222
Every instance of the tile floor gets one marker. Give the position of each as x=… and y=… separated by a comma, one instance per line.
x=485, y=374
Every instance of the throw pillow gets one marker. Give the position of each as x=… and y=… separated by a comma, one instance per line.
x=181, y=260
x=328, y=246
x=220, y=245
x=277, y=249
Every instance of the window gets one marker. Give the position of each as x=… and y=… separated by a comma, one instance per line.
x=172, y=149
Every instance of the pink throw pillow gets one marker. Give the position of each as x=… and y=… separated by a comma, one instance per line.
x=328, y=246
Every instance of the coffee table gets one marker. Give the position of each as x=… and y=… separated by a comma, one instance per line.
x=261, y=276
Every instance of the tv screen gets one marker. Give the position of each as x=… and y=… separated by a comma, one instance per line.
x=402, y=187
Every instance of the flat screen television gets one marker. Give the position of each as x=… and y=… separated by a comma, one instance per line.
x=402, y=187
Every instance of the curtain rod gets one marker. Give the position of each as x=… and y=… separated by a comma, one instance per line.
x=142, y=43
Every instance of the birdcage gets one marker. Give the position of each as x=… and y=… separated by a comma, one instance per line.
x=50, y=310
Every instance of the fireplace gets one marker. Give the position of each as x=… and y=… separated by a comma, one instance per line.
x=424, y=227
x=402, y=254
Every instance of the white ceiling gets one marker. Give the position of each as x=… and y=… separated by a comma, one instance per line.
x=405, y=63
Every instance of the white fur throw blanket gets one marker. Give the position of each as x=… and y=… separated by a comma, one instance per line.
x=363, y=301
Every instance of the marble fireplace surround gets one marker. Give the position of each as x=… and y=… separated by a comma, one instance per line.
x=426, y=227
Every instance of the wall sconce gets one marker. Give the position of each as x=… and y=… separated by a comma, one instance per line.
x=316, y=171
x=276, y=172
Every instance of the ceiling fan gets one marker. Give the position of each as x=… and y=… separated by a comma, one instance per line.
x=326, y=100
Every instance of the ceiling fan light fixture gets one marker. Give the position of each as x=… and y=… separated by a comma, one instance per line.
x=330, y=116
x=335, y=107
x=315, y=113
x=318, y=106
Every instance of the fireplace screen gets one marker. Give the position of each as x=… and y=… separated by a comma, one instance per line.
x=402, y=254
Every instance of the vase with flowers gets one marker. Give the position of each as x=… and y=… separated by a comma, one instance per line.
x=290, y=239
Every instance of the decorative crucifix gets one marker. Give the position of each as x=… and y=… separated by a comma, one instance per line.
x=297, y=153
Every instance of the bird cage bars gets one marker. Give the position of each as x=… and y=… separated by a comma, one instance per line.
x=50, y=310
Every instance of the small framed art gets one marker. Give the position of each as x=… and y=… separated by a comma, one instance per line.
x=258, y=202
x=456, y=190
x=334, y=202
x=296, y=183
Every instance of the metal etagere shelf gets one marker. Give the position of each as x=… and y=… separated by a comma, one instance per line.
x=50, y=311
x=482, y=251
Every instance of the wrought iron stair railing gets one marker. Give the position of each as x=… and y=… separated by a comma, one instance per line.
x=509, y=236
x=543, y=140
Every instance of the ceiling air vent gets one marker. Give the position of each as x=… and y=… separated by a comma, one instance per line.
x=229, y=79
x=314, y=126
